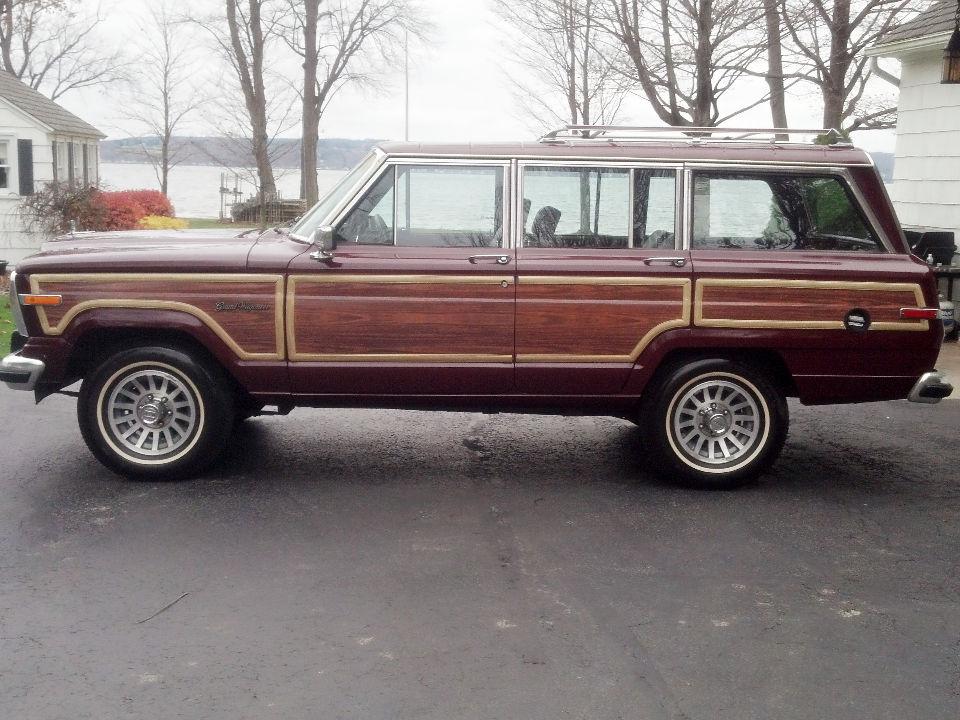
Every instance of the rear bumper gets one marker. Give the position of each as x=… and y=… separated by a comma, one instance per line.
x=21, y=373
x=931, y=388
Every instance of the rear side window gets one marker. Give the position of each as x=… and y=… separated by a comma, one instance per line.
x=737, y=211
x=590, y=207
x=429, y=206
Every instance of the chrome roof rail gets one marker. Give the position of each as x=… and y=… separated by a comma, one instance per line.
x=614, y=134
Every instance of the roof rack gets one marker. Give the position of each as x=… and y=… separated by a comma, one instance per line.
x=629, y=133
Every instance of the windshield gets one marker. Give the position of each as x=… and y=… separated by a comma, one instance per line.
x=319, y=212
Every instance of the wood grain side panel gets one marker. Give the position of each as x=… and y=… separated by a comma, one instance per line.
x=430, y=319
x=254, y=331
x=804, y=305
x=598, y=321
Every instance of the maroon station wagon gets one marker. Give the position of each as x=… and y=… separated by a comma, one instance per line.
x=690, y=284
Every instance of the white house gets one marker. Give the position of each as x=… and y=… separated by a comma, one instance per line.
x=926, y=189
x=40, y=142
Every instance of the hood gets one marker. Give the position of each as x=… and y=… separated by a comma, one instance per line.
x=144, y=250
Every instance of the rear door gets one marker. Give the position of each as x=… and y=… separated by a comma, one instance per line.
x=418, y=298
x=600, y=272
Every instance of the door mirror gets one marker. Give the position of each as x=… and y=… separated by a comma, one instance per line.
x=323, y=238
x=324, y=241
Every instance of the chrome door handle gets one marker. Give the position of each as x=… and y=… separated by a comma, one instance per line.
x=675, y=261
x=499, y=259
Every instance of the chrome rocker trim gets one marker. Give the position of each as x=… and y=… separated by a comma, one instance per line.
x=931, y=388
x=20, y=373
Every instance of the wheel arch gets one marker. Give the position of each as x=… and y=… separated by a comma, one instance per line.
x=766, y=360
x=96, y=335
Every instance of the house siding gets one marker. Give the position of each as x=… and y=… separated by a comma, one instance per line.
x=926, y=189
x=16, y=242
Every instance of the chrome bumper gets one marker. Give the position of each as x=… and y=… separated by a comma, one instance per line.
x=20, y=373
x=931, y=388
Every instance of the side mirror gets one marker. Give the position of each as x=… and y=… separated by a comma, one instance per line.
x=325, y=242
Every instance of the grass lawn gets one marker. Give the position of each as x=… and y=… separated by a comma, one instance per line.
x=208, y=223
x=6, y=326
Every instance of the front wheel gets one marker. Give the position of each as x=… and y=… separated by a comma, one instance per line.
x=715, y=423
x=155, y=412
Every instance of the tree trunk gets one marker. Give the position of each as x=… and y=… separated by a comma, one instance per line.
x=834, y=87
x=703, y=106
x=778, y=101
x=165, y=165
x=311, y=109
x=250, y=75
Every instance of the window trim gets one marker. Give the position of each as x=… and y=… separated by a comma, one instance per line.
x=842, y=175
x=392, y=165
x=631, y=167
x=13, y=166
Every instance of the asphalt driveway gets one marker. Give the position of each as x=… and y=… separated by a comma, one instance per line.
x=377, y=565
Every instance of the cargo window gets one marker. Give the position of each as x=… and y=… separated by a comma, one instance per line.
x=737, y=211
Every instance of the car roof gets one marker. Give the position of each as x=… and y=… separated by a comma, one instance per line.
x=659, y=151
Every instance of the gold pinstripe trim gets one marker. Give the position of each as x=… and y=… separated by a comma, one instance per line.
x=602, y=280
x=277, y=280
x=904, y=326
x=296, y=356
x=401, y=279
x=649, y=337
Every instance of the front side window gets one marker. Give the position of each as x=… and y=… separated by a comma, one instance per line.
x=315, y=217
x=429, y=206
x=736, y=211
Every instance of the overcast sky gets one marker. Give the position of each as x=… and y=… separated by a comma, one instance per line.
x=460, y=87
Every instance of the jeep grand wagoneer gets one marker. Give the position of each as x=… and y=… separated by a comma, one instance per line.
x=690, y=284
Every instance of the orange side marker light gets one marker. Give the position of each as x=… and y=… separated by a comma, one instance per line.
x=41, y=299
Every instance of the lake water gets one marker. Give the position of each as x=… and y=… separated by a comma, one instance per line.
x=195, y=189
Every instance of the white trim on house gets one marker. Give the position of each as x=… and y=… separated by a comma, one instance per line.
x=908, y=47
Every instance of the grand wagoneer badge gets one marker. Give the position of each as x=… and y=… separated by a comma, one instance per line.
x=241, y=307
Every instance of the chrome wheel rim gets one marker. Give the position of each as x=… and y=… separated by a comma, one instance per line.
x=151, y=413
x=718, y=423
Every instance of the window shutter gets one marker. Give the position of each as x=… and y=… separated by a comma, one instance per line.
x=70, y=176
x=56, y=171
x=25, y=165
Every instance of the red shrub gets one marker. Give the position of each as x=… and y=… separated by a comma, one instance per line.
x=153, y=201
x=117, y=211
x=56, y=207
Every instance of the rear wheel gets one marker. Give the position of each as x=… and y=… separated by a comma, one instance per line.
x=715, y=423
x=155, y=413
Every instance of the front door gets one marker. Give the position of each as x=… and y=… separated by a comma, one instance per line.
x=600, y=273
x=418, y=298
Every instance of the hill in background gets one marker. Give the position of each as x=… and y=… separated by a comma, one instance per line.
x=332, y=153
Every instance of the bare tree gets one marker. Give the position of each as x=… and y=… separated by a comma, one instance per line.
x=52, y=45
x=830, y=36
x=244, y=33
x=166, y=93
x=338, y=46
x=687, y=55
x=555, y=42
